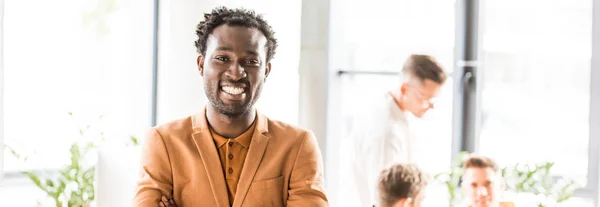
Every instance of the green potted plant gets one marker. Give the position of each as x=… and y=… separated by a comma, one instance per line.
x=451, y=179
x=537, y=180
x=74, y=186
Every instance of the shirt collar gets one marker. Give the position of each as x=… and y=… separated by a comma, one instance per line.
x=244, y=139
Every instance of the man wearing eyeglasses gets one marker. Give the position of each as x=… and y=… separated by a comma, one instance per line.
x=384, y=137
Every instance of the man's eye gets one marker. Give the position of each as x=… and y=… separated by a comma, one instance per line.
x=254, y=62
x=221, y=58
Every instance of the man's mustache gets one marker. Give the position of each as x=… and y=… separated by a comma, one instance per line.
x=242, y=83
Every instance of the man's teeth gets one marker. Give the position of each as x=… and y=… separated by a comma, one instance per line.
x=233, y=90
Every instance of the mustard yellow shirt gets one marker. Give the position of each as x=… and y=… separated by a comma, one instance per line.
x=232, y=152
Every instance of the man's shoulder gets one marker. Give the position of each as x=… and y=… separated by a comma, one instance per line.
x=176, y=127
x=280, y=129
x=286, y=135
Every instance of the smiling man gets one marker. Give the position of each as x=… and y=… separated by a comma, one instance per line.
x=482, y=183
x=229, y=154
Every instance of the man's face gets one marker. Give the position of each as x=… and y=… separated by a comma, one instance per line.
x=234, y=68
x=482, y=186
x=420, y=95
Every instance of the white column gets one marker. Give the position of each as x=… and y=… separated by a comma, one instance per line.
x=319, y=83
x=314, y=68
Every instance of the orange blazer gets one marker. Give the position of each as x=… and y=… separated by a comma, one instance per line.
x=283, y=167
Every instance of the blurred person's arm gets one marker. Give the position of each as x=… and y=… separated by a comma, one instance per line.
x=156, y=178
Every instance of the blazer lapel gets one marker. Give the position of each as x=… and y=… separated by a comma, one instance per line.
x=210, y=157
x=258, y=145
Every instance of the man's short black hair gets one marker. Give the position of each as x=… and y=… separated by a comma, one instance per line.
x=234, y=17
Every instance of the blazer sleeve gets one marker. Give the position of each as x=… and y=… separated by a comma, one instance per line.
x=306, y=182
x=156, y=177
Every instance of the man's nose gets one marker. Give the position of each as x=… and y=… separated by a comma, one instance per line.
x=236, y=72
x=482, y=191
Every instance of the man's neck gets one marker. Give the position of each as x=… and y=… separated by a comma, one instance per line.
x=397, y=96
x=228, y=126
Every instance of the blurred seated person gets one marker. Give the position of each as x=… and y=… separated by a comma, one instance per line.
x=401, y=185
x=482, y=183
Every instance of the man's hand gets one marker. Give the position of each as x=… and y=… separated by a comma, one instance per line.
x=166, y=202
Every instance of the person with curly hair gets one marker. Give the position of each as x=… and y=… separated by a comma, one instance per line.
x=229, y=154
x=402, y=185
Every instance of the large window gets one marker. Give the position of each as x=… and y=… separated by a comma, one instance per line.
x=536, y=84
x=91, y=58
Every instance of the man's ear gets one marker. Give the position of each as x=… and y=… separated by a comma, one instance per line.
x=200, y=63
x=267, y=70
x=403, y=88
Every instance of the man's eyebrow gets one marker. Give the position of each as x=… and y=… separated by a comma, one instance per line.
x=252, y=52
x=229, y=49
x=225, y=48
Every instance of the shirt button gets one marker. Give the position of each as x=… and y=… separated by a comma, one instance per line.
x=230, y=144
x=230, y=170
x=230, y=156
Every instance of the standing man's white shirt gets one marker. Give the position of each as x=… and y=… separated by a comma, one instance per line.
x=378, y=141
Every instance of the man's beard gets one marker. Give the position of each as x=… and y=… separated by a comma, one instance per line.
x=231, y=110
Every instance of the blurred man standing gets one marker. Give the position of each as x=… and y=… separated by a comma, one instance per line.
x=384, y=137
